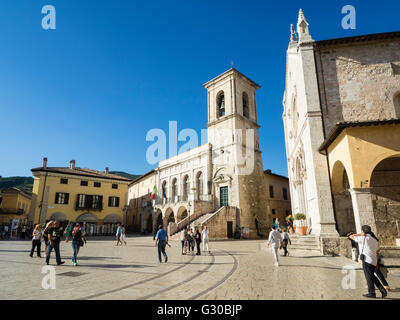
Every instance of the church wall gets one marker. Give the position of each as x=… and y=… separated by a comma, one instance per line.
x=358, y=81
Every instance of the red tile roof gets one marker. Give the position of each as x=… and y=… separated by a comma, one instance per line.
x=81, y=172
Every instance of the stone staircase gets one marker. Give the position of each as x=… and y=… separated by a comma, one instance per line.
x=193, y=224
x=307, y=243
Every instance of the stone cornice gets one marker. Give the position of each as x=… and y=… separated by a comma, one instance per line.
x=232, y=116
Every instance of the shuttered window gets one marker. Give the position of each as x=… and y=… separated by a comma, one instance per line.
x=61, y=198
x=113, y=201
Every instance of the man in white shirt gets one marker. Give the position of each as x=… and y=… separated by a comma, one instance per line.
x=369, y=250
x=205, y=239
x=275, y=240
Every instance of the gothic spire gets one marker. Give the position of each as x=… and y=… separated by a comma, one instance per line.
x=302, y=28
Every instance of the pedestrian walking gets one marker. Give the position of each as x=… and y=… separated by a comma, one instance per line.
x=23, y=232
x=205, y=239
x=369, y=251
x=54, y=235
x=45, y=234
x=161, y=242
x=285, y=241
x=78, y=241
x=118, y=234
x=275, y=241
x=36, y=240
x=123, y=235
x=278, y=225
x=197, y=237
x=67, y=232
x=182, y=238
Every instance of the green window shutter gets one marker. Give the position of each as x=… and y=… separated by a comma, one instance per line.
x=56, y=199
x=66, y=198
x=117, y=202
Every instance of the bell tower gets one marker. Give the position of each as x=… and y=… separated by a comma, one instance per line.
x=232, y=131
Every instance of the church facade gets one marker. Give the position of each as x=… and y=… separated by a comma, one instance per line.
x=220, y=183
x=342, y=131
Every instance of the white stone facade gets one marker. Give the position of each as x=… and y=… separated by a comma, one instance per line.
x=307, y=168
x=226, y=171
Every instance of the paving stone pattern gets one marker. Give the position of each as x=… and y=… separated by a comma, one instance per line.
x=233, y=270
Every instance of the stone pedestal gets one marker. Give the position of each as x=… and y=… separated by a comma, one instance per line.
x=362, y=208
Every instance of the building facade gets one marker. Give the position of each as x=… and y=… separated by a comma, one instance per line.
x=15, y=204
x=73, y=194
x=278, y=195
x=342, y=132
x=222, y=178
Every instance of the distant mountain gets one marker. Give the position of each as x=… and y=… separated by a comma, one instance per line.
x=26, y=183
x=126, y=175
x=23, y=183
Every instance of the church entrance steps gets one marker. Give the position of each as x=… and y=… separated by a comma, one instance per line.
x=390, y=252
x=307, y=243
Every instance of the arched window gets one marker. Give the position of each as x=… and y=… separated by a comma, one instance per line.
x=164, y=189
x=185, y=186
x=199, y=184
x=245, y=101
x=220, y=104
x=174, y=188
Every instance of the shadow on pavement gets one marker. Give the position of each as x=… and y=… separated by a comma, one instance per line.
x=115, y=266
x=96, y=258
x=305, y=266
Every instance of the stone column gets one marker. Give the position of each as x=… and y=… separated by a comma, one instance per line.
x=362, y=208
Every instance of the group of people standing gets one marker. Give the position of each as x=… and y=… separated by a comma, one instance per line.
x=51, y=236
x=189, y=239
x=289, y=224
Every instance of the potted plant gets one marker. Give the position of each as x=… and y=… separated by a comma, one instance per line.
x=300, y=222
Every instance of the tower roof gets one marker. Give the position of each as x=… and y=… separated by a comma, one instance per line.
x=227, y=73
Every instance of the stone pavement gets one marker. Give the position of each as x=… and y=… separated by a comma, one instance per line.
x=233, y=270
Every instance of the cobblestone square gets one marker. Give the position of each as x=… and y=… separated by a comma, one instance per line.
x=233, y=270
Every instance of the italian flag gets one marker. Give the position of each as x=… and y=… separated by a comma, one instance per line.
x=153, y=194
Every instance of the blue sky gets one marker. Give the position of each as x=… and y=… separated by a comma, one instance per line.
x=112, y=70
